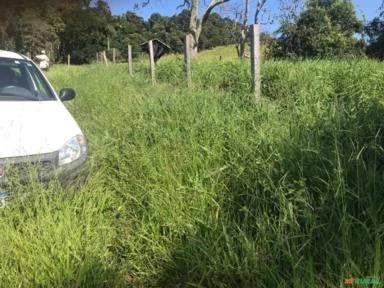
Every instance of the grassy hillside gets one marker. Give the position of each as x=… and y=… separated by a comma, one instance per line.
x=205, y=188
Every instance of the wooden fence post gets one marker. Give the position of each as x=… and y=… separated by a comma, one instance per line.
x=97, y=57
x=29, y=55
x=69, y=59
x=254, y=32
x=152, y=62
x=105, y=58
x=187, y=58
x=114, y=55
x=130, y=60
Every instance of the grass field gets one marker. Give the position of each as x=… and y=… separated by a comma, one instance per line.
x=205, y=187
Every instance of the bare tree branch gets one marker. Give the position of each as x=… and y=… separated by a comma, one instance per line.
x=210, y=7
x=196, y=25
x=245, y=16
x=193, y=21
x=260, y=4
x=382, y=9
x=186, y=3
x=145, y=3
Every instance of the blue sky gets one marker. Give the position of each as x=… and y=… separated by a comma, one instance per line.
x=367, y=9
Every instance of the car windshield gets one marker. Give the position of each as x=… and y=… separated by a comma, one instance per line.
x=20, y=80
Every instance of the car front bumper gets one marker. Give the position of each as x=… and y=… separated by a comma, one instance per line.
x=42, y=167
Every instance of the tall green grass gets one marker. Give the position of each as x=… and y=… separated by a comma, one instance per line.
x=205, y=188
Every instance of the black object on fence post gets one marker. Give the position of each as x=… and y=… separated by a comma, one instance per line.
x=130, y=60
x=187, y=57
x=152, y=62
x=254, y=32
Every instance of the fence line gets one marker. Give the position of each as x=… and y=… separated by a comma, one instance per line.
x=255, y=60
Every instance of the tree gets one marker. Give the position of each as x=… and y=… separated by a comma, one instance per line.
x=217, y=32
x=325, y=28
x=375, y=32
x=167, y=30
x=181, y=22
x=29, y=26
x=86, y=32
x=132, y=31
x=36, y=32
x=196, y=23
x=240, y=29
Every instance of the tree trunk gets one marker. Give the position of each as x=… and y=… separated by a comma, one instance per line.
x=243, y=40
x=194, y=27
x=196, y=24
x=243, y=43
x=255, y=60
x=194, y=45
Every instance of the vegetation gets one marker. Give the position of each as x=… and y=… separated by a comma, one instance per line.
x=375, y=31
x=83, y=28
x=323, y=29
x=203, y=188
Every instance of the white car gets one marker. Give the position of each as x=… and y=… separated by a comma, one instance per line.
x=35, y=127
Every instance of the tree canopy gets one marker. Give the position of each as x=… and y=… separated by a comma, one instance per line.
x=325, y=28
x=375, y=32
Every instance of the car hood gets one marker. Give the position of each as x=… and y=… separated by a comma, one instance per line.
x=34, y=127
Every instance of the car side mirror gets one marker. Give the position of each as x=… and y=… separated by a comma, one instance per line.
x=67, y=94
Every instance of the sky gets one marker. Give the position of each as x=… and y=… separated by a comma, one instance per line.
x=365, y=9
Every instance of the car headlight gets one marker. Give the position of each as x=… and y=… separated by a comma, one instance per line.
x=72, y=150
